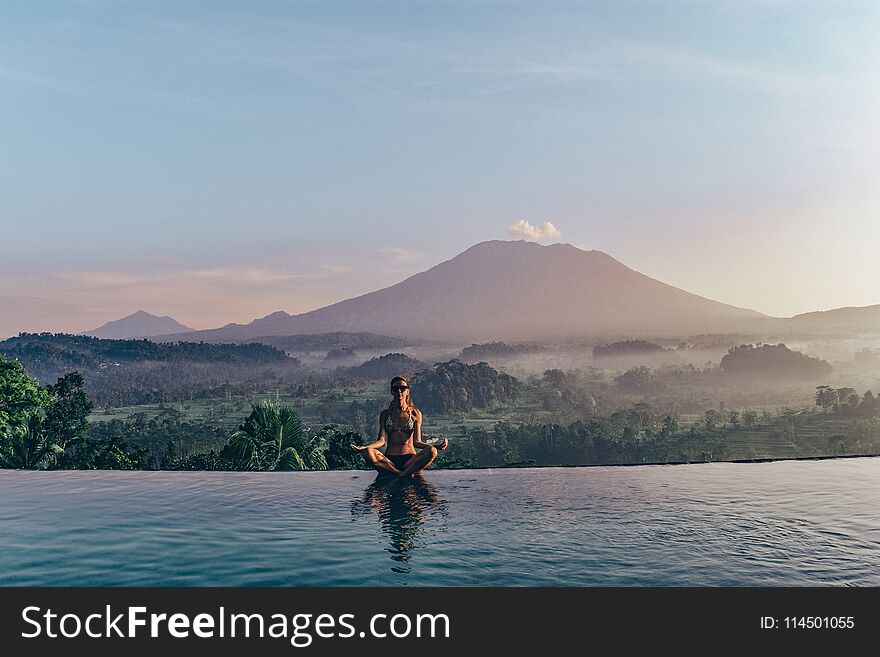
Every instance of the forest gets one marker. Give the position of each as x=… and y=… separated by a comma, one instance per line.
x=217, y=407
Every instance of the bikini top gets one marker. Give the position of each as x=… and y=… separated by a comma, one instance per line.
x=391, y=427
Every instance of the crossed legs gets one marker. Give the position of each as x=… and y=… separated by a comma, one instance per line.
x=416, y=464
x=379, y=461
x=420, y=461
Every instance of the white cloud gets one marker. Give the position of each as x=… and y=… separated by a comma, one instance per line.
x=525, y=230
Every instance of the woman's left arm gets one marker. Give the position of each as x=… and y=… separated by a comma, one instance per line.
x=417, y=435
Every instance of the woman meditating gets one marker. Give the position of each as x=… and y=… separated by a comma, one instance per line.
x=400, y=428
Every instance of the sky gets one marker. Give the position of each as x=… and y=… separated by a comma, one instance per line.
x=218, y=161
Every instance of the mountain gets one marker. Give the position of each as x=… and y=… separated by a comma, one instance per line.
x=510, y=290
x=138, y=325
x=866, y=318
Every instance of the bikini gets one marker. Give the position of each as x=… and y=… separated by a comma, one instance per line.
x=399, y=460
x=391, y=427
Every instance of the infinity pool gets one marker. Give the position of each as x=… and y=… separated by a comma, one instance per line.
x=766, y=524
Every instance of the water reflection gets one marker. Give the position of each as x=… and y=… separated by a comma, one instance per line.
x=402, y=506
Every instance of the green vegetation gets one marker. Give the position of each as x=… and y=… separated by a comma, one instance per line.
x=19, y=394
x=28, y=445
x=169, y=436
x=67, y=415
x=277, y=415
x=846, y=401
x=619, y=440
x=37, y=424
x=385, y=367
x=496, y=350
x=47, y=427
x=458, y=387
x=51, y=352
x=111, y=453
x=272, y=438
x=128, y=372
x=339, y=455
x=577, y=394
x=773, y=361
x=627, y=348
x=337, y=340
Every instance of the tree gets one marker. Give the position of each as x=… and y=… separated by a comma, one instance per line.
x=636, y=379
x=733, y=419
x=20, y=395
x=272, y=438
x=848, y=397
x=826, y=397
x=454, y=386
x=711, y=418
x=769, y=361
x=67, y=416
x=326, y=407
x=554, y=377
x=670, y=425
x=29, y=447
x=641, y=415
x=169, y=459
x=384, y=367
x=627, y=347
x=23, y=439
x=869, y=403
x=114, y=454
x=750, y=418
x=339, y=455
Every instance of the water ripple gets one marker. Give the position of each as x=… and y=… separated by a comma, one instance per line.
x=767, y=524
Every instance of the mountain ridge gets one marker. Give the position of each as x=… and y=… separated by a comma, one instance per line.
x=139, y=324
x=509, y=289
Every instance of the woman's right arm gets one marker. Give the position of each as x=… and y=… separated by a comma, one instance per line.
x=380, y=442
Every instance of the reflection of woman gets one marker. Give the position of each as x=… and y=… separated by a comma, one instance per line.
x=400, y=428
x=401, y=507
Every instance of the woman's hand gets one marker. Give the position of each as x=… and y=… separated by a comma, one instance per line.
x=358, y=448
x=443, y=444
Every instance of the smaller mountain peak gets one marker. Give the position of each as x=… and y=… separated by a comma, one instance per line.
x=139, y=324
x=271, y=318
x=278, y=314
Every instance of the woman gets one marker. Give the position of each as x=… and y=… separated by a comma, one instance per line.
x=400, y=427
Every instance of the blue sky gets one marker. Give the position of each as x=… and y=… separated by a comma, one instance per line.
x=217, y=161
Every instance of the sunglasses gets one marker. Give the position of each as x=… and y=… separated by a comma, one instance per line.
x=399, y=388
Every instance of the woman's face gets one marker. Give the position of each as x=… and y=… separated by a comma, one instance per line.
x=399, y=390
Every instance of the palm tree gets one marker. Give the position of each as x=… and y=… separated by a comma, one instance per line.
x=272, y=438
x=29, y=447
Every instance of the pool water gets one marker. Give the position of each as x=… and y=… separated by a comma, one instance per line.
x=766, y=524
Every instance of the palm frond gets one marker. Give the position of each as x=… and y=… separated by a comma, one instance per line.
x=242, y=446
x=272, y=437
x=290, y=459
